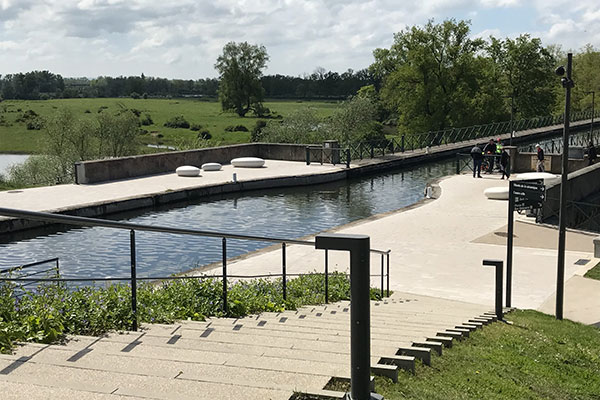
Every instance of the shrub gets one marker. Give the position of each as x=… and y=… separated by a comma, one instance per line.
x=135, y=95
x=195, y=127
x=256, y=134
x=146, y=120
x=204, y=134
x=177, y=122
x=35, y=124
x=236, y=128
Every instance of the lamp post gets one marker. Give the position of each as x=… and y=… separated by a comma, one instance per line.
x=512, y=116
x=568, y=84
x=592, y=123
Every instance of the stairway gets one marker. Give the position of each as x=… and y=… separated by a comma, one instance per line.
x=266, y=356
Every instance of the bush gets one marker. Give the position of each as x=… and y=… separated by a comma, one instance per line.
x=177, y=122
x=35, y=124
x=146, y=120
x=204, y=134
x=135, y=95
x=236, y=128
x=195, y=127
x=256, y=135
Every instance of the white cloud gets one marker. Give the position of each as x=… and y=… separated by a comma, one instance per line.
x=183, y=38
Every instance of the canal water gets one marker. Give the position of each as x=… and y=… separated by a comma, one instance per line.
x=289, y=213
x=6, y=160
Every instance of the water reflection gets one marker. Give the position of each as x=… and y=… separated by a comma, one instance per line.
x=292, y=212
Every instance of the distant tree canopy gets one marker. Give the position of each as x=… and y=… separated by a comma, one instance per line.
x=240, y=69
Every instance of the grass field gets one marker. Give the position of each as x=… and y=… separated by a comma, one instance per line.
x=593, y=273
x=537, y=357
x=15, y=138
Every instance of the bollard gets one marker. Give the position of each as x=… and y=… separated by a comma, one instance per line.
x=360, y=317
x=134, y=324
x=499, y=271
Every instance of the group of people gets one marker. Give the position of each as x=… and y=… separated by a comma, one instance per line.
x=494, y=154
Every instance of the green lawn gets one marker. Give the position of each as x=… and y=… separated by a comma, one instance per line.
x=15, y=138
x=593, y=273
x=536, y=358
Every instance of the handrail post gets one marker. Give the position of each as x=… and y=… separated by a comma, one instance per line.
x=348, y=157
x=307, y=155
x=499, y=272
x=360, y=316
x=57, y=268
x=388, y=273
x=326, y=276
x=134, y=325
x=283, y=267
x=224, y=262
x=382, y=275
x=457, y=163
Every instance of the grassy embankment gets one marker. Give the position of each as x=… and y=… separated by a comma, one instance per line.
x=537, y=357
x=15, y=138
x=593, y=273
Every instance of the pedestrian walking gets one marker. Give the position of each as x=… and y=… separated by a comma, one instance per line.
x=540, y=159
x=477, y=156
x=591, y=153
x=505, y=164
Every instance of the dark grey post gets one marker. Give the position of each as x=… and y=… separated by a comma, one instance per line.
x=562, y=218
x=388, y=273
x=457, y=163
x=307, y=155
x=509, y=243
x=382, y=276
x=498, y=302
x=348, y=158
x=360, y=318
x=57, y=268
x=326, y=276
x=224, y=261
x=402, y=144
x=134, y=324
x=283, y=268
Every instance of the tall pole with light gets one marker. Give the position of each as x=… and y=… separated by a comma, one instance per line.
x=592, y=123
x=568, y=84
x=512, y=117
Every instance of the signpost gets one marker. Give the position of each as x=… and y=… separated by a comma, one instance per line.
x=522, y=195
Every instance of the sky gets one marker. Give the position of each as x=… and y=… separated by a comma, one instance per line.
x=183, y=38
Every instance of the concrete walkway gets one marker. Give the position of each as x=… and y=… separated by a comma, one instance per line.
x=438, y=248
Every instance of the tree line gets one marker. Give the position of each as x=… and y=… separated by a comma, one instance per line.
x=42, y=85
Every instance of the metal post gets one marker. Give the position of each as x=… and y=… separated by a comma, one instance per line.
x=562, y=219
x=134, y=324
x=326, y=276
x=388, y=273
x=307, y=155
x=457, y=163
x=512, y=116
x=224, y=261
x=283, y=269
x=348, y=158
x=360, y=335
x=498, y=300
x=57, y=268
x=382, y=276
x=509, y=243
x=402, y=144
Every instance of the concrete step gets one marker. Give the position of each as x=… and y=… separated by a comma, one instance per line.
x=233, y=375
x=34, y=391
x=89, y=380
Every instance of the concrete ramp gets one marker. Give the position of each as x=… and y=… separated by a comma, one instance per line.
x=266, y=356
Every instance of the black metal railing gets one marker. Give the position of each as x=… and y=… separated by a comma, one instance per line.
x=580, y=215
x=133, y=278
x=555, y=146
x=29, y=270
x=327, y=155
x=423, y=140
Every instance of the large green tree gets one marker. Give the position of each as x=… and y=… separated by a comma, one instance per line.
x=430, y=75
x=526, y=72
x=240, y=69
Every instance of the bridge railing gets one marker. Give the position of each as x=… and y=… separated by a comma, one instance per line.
x=419, y=141
x=133, y=278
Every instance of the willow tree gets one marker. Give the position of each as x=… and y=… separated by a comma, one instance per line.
x=240, y=69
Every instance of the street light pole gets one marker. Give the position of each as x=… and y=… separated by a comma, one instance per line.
x=567, y=83
x=512, y=116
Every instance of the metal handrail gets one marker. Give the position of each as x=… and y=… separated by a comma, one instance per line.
x=85, y=221
x=33, y=264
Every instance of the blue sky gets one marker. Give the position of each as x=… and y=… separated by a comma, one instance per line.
x=183, y=38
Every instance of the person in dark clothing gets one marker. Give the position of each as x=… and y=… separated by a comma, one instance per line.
x=477, y=156
x=591, y=153
x=504, y=164
x=540, y=156
x=490, y=150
